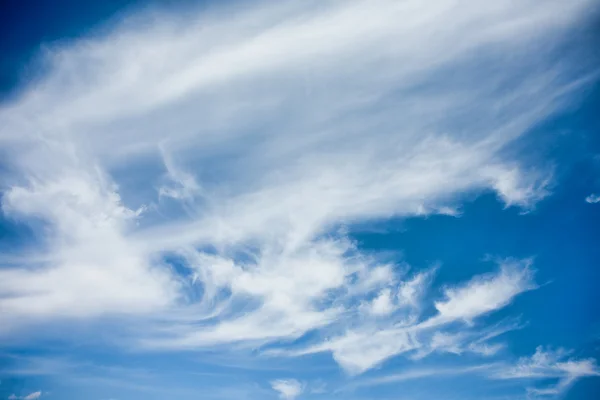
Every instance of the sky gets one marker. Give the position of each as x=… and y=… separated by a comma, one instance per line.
x=358, y=200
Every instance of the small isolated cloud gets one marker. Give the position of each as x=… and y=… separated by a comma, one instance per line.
x=592, y=198
x=288, y=389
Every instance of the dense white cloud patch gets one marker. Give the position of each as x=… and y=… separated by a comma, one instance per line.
x=245, y=144
x=382, y=304
x=288, y=389
x=89, y=253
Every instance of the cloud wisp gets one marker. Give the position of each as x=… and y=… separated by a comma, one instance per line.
x=550, y=364
x=549, y=373
x=30, y=396
x=362, y=345
x=288, y=389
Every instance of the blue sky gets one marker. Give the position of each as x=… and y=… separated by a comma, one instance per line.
x=299, y=200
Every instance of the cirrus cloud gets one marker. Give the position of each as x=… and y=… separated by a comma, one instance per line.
x=203, y=174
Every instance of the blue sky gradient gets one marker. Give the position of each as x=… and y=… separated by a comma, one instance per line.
x=301, y=200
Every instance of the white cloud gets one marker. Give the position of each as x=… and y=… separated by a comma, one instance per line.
x=486, y=293
x=411, y=291
x=382, y=304
x=543, y=366
x=357, y=352
x=364, y=347
x=592, y=198
x=510, y=187
x=30, y=396
x=486, y=349
x=33, y=396
x=288, y=389
x=239, y=142
x=471, y=339
x=549, y=364
x=422, y=373
x=92, y=268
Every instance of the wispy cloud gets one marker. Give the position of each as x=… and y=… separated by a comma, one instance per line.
x=30, y=396
x=245, y=145
x=288, y=389
x=486, y=293
x=423, y=373
x=363, y=346
x=543, y=366
x=550, y=364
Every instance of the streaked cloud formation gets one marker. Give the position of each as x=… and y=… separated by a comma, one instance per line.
x=200, y=174
x=548, y=364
